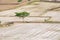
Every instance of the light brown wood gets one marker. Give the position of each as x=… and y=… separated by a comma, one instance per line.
x=10, y=4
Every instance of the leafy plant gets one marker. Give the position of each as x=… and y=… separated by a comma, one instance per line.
x=19, y=0
x=22, y=14
x=28, y=0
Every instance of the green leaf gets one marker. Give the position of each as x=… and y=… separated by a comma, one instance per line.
x=19, y=0
x=21, y=14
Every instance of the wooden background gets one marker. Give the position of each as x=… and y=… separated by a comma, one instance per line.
x=10, y=6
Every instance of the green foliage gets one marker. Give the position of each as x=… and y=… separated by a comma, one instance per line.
x=19, y=0
x=28, y=0
x=21, y=14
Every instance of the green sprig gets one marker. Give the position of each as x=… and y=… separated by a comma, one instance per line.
x=19, y=0
x=21, y=14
